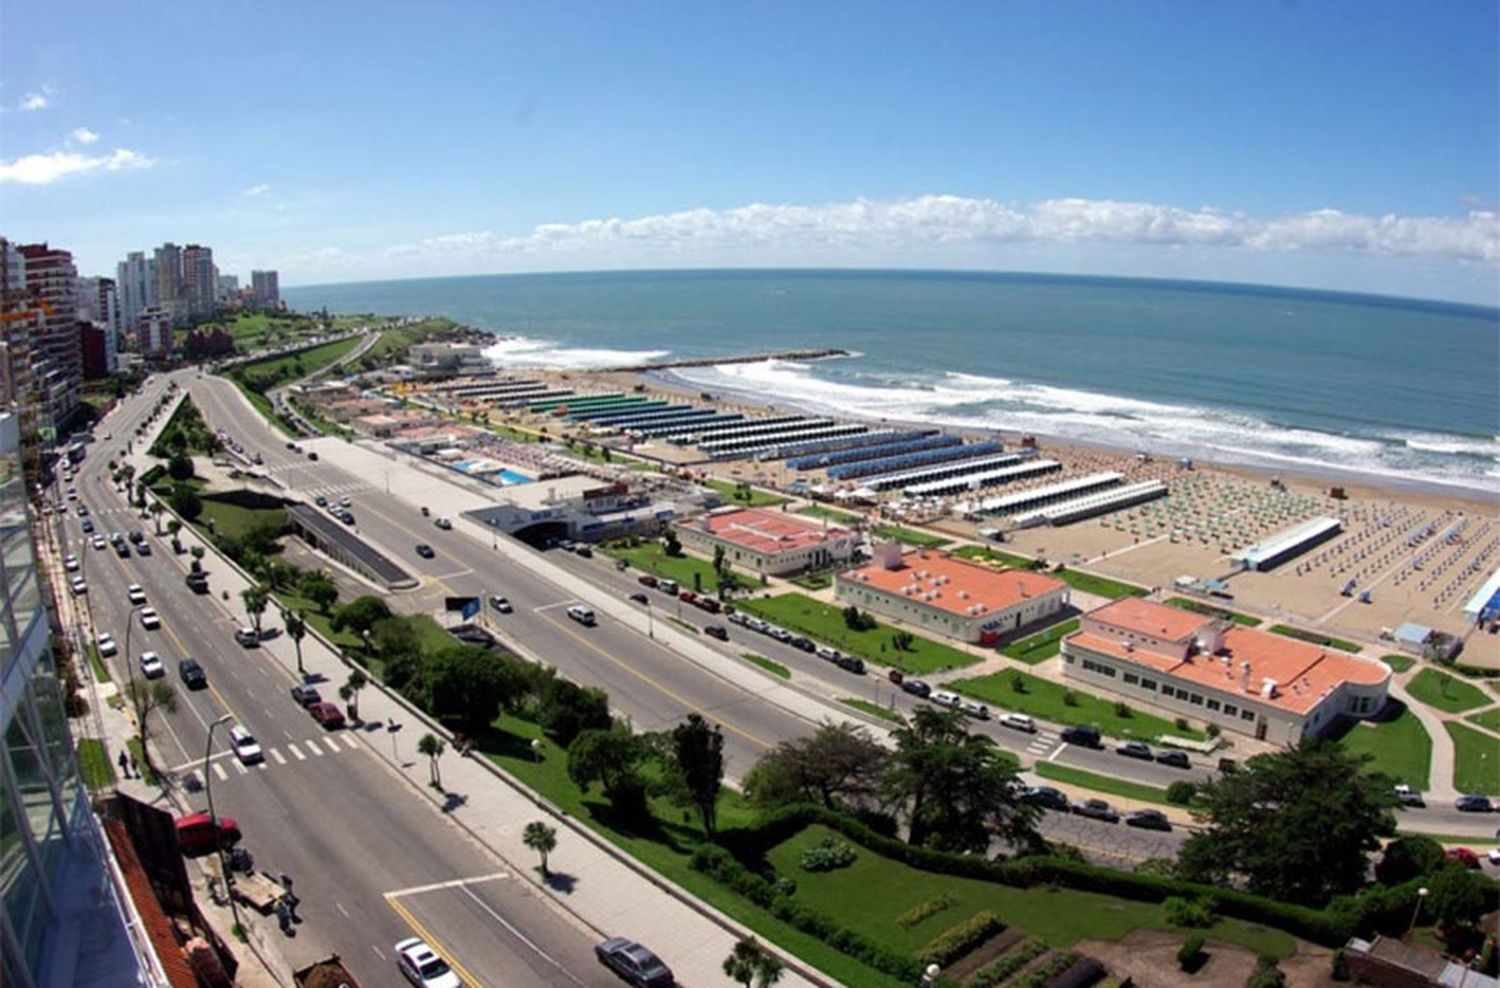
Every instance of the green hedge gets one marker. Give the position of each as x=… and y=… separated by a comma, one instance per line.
x=1044, y=974
x=960, y=938
x=1009, y=963
x=922, y=910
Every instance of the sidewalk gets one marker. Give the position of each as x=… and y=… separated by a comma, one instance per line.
x=1440, y=786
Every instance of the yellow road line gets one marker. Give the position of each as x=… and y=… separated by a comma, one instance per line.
x=432, y=941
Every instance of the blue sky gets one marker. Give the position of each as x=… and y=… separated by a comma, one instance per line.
x=1344, y=145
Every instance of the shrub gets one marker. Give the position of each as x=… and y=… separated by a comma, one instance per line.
x=1070, y=699
x=1182, y=911
x=1340, y=968
x=1189, y=955
x=922, y=910
x=1182, y=723
x=1044, y=974
x=1122, y=709
x=828, y=854
x=956, y=941
x=1181, y=792
x=1017, y=681
x=1266, y=974
x=1009, y=963
x=1212, y=730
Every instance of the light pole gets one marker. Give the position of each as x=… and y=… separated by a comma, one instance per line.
x=536, y=755
x=213, y=818
x=930, y=975
x=1422, y=894
x=650, y=621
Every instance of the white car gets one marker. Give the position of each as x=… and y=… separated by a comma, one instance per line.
x=423, y=967
x=944, y=698
x=152, y=667
x=98, y=542
x=1018, y=722
x=106, y=643
x=246, y=748
x=79, y=587
x=150, y=620
x=136, y=593
x=70, y=563
x=975, y=709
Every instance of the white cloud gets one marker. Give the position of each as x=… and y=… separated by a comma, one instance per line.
x=936, y=221
x=35, y=101
x=44, y=169
x=257, y=190
x=82, y=135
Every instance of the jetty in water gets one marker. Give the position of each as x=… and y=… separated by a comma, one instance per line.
x=738, y=358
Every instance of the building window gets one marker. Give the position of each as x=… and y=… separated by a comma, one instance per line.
x=1196, y=699
x=1247, y=715
x=1231, y=709
x=1131, y=679
x=1213, y=704
x=1148, y=684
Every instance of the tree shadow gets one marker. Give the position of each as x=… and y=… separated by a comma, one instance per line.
x=453, y=801
x=559, y=881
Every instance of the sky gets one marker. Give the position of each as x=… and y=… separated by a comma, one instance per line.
x=1344, y=145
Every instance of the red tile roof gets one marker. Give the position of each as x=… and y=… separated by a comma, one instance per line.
x=1149, y=618
x=154, y=920
x=958, y=586
x=770, y=531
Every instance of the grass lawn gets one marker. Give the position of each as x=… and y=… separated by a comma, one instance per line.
x=1202, y=607
x=1101, y=783
x=1476, y=767
x=1099, y=586
x=263, y=405
x=873, y=709
x=1042, y=645
x=1490, y=719
x=821, y=580
x=757, y=498
x=1401, y=747
x=689, y=571
x=910, y=536
x=819, y=511
x=235, y=521
x=684, y=625
x=1316, y=637
x=96, y=664
x=869, y=895
x=825, y=623
x=274, y=371
x=1447, y=693
x=1048, y=700
x=148, y=775
x=393, y=342
x=984, y=554
x=94, y=764
x=769, y=665
x=1398, y=662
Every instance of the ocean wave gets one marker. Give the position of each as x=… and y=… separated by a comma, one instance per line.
x=1454, y=445
x=528, y=352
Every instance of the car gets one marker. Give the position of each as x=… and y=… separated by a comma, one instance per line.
x=192, y=674
x=1046, y=797
x=1135, y=749
x=79, y=587
x=828, y=653
x=347, y=517
x=137, y=536
x=501, y=604
x=72, y=493
x=83, y=511
x=945, y=698
x=975, y=709
x=1407, y=796
x=916, y=687
x=344, y=502
x=1018, y=722
x=805, y=644
x=1473, y=803
x=641, y=598
x=247, y=637
x=327, y=714
x=634, y=963
x=293, y=446
x=70, y=563
x=717, y=631
x=422, y=966
x=1148, y=820
x=1463, y=855
x=144, y=549
x=582, y=615
x=306, y=695
x=583, y=551
x=1096, y=809
x=443, y=523
x=152, y=667
x=424, y=550
x=136, y=593
x=1084, y=735
x=320, y=500
x=246, y=748
x=312, y=455
x=646, y=580
x=122, y=549
x=105, y=643
x=198, y=832
x=97, y=541
x=1174, y=759
x=87, y=527
x=150, y=620
x=852, y=663
x=566, y=545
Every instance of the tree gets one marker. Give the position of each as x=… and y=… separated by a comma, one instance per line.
x=566, y=709
x=279, y=575
x=750, y=962
x=470, y=685
x=186, y=502
x=296, y=629
x=350, y=691
x=320, y=589
x=836, y=765
x=156, y=510
x=180, y=466
x=542, y=839
x=400, y=650
x=1298, y=825
x=360, y=614
x=1408, y=857
x=692, y=756
x=955, y=788
x=1455, y=897
x=671, y=544
x=611, y=757
x=146, y=696
x=256, y=598
x=432, y=746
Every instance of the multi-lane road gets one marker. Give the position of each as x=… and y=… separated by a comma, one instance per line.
x=372, y=860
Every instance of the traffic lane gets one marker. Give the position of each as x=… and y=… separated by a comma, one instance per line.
x=224, y=408
x=1115, y=844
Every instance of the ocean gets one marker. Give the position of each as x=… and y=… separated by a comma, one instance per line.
x=1270, y=377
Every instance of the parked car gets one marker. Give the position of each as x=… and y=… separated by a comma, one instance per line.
x=1463, y=855
x=327, y=714
x=247, y=637
x=916, y=687
x=347, y=517
x=1148, y=820
x=945, y=698
x=192, y=674
x=1084, y=735
x=306, y=695
x=1407, y=796
x=852, y=663
x=1096, y=809
x=198, y=832
x=1135, y=749
x=320, y=500
x=646, y=580
x=422, y=966
x=152, y=666
x=584, y=551
x=634, y=963
x=97, y=542
x=1018, y=722
x=1046, y=797
x=803, y=643
x=500, y=604
x=105, y=643
x=1473, y=803
x=1174, y=759
x=717, y=631
x=246, y=748
x=975, y=709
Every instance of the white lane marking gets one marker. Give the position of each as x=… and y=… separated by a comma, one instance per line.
x=280, y=758
x=292, y=746
x=521, y=936
x=340, y=907
x=452, y=883
x=219, y=771
x=241, y=769
x=1057, y=751
x=351, y=742
x=312, y=746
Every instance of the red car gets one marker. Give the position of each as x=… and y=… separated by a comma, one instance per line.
x=196, y=832
x=648, y=580
x=687, y=597
x=708, y=604
x=1463, y=856
x=327, y=714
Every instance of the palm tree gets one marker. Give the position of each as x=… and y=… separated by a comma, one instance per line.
x=156, y=510
x=256, y=598
x=349, y=692
x=749, y=961
x=296, y=629
x=542, y=839
x=432, y=746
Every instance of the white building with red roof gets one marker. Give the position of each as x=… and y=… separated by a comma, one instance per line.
x=950, y=597
x=769, y=542
x=1254, y=682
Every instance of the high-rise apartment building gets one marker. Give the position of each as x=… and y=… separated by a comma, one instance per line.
x=264, y=285
x=98, y=325
x=198, y=280
x=169, y=281
x=57, y=357
x=229, y=287
x=135, y=278
x=22, y=323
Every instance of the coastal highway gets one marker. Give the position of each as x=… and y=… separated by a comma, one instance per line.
x=364, y=850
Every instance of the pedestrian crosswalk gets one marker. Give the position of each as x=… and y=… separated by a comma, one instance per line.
x=1042, y=743
x=308, y=749
x=294, y=476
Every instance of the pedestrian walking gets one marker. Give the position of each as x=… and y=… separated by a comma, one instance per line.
x=133, y=766
x=124, y=765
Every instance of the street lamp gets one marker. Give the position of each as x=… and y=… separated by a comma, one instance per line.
x=650, y=621
x=213, y=818
x=1422, y=894
x=536, y=754
x=930, y=975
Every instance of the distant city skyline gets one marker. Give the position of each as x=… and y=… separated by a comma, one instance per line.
x=1317, y=145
